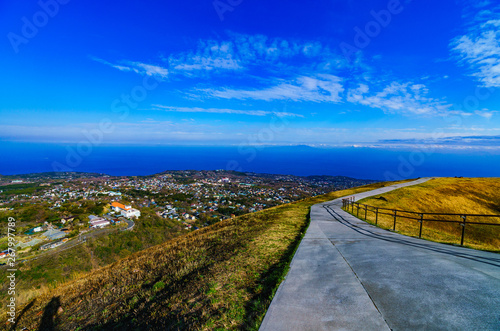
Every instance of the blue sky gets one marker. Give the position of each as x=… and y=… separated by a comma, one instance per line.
x=330, y=73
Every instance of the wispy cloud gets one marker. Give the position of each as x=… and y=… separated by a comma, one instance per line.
x=245, y=53
x=137, y=67
x=486, y=113
x=320, y=88
x=450, y=142
x=225, y=111
x=401, y=98
x=479, y=48
x=210, y=56
x=239, y=51
x=274, y=69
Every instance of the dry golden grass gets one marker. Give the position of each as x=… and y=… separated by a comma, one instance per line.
x=220, y=277
x=445, y=195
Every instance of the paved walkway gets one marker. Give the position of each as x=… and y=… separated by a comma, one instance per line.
x=349, y=275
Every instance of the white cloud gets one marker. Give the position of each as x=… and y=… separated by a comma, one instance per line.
x=148, y=69
x=225, y=111
x=210, y=55
x=401, y=98
x=479, y=50
x=240, y=52
x=451, y=142
x=308, y=71
x=137, y=67
x=485, y=113
x=321, y=88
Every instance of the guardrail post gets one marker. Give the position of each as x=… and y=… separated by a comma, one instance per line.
x=421, y=222
x=351, y=201
x=394, y=227
x=464, y=217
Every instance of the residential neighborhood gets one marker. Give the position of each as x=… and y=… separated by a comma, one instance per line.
x=53, y=208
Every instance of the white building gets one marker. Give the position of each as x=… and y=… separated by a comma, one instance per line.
x=130, y=212
x=126, y=211
x=99, y=223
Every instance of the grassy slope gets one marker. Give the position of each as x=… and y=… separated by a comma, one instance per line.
x=220, y=277
x=446, y=195
x=52, y=268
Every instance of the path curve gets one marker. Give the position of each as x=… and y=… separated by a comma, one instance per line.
x=350, y=275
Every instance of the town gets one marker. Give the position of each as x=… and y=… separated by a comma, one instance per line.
x=54, y=208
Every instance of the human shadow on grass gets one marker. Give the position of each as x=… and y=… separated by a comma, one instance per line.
x=49, y=318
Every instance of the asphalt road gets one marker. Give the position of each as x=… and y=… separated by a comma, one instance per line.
x=349, y=275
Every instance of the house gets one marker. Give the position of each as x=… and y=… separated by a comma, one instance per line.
x=99, y=223
x=116, y=206
x=131, y=212
x=67, y=219
x=126, y=211
x=38, y=229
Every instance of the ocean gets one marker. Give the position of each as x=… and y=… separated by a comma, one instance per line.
x=363, y=163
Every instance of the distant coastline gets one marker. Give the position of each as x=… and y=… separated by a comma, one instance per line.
x=365, y=163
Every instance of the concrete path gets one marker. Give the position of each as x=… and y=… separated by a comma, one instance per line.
x=349, y=275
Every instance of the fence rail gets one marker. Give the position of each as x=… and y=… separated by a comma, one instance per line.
x=350, y=204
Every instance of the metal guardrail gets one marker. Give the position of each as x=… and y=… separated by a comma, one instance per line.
x=349, y=203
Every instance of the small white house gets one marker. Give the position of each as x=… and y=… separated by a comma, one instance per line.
x=100, y=223
x=37, y=229
x=131, y=212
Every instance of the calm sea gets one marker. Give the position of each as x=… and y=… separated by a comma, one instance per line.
x=365, y=163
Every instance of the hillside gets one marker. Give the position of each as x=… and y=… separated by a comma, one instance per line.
x=446, y=195
x=172, y=203
x=221, y=276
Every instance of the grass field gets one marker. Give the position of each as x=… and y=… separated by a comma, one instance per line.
x=52, y=268
x=220, y=277
x=445, y=195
